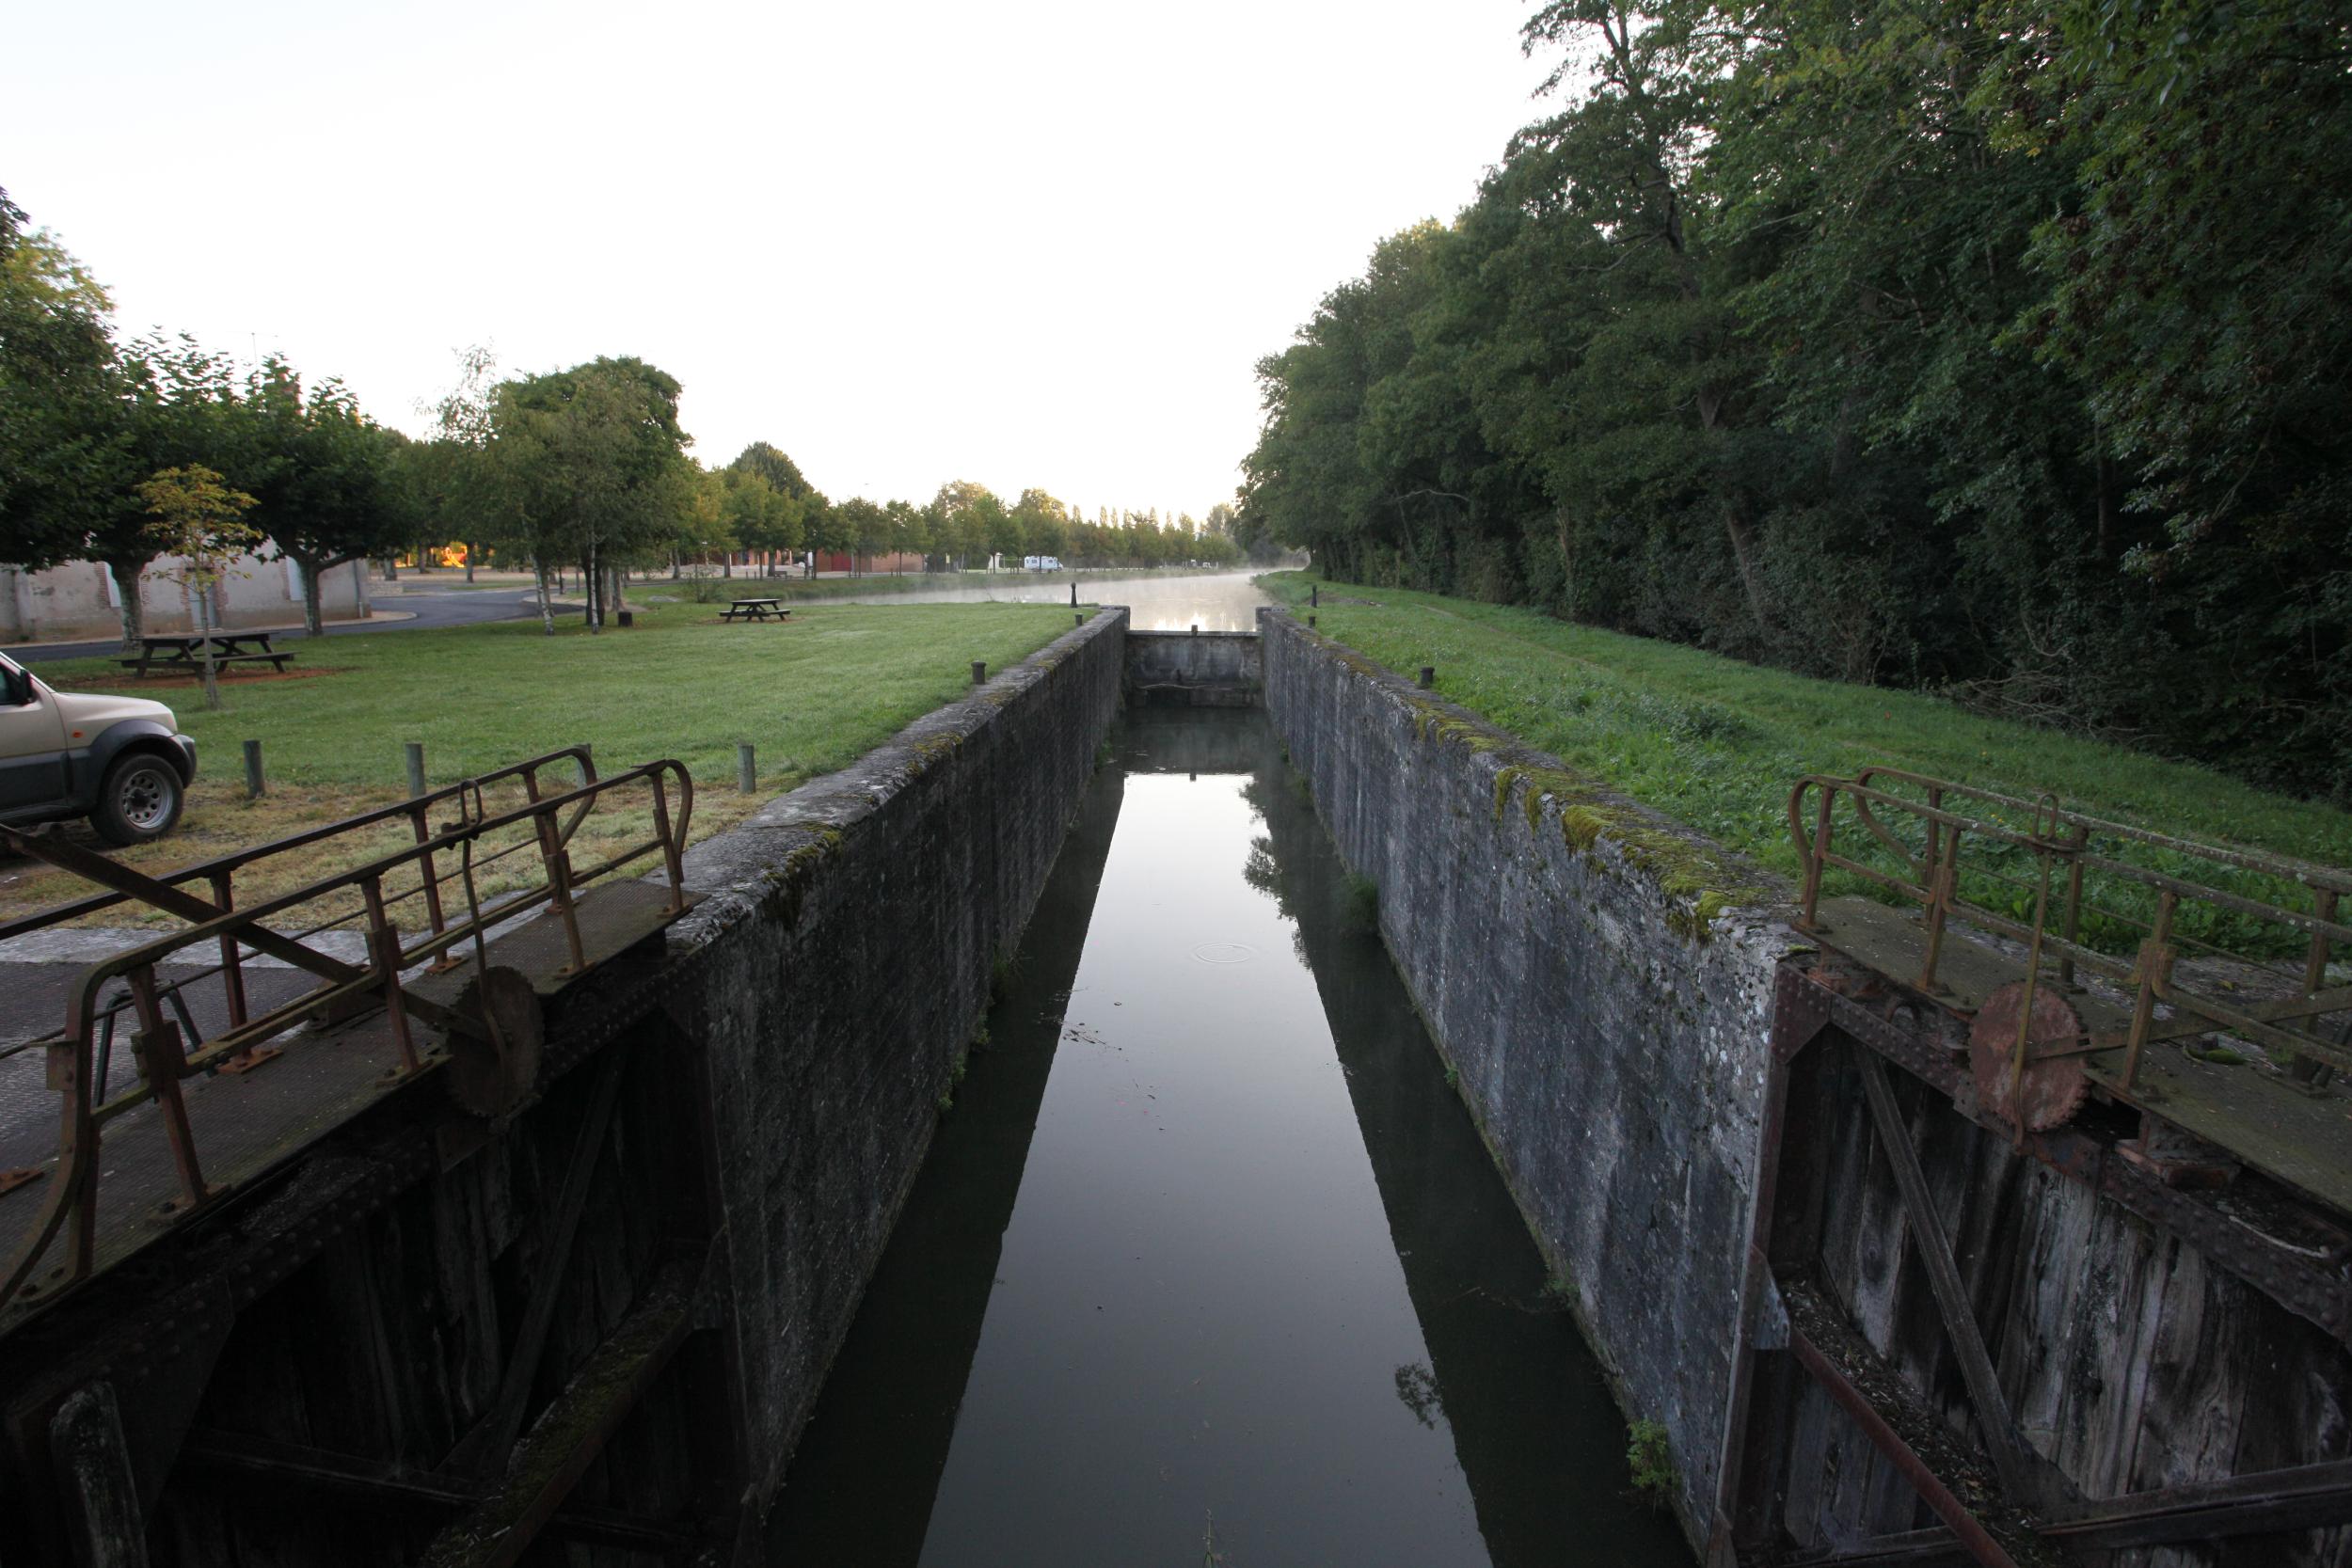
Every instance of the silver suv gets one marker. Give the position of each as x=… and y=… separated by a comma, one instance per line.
x=119, y=761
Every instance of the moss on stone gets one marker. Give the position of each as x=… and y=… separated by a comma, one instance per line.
x=1506, y=780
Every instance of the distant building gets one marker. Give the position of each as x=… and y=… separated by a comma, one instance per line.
x=80, y=600
x=838, y=560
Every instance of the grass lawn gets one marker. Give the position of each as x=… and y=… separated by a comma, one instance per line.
x=1716, y=743
x=812, y=695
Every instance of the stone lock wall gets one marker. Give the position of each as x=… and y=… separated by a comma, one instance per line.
x=840, y=965
x=1213, y=669
x=1605, y=1011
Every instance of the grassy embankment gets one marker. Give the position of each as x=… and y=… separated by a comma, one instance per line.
x=812, y=695
x=1716, y=744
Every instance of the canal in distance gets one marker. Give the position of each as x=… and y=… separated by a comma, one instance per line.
x=1208, y=1264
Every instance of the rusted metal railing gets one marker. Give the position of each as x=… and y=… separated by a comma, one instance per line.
x=166, y=1052
x=1951, y=836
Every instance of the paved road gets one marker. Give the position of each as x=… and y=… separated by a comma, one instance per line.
x=454, y=607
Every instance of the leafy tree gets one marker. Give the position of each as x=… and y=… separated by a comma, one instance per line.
x=65, y=459
x=962, y=513
x=862, y=526
x=320, y=474
x=823, y=527
x=761, y=517
x=591, y=465
x=1042, y=523
x=198, y=524
x=781, y=524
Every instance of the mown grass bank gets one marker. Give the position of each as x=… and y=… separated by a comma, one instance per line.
x=811, y=695
x=1716, y=744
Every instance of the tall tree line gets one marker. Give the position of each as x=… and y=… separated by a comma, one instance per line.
x=2000, y=348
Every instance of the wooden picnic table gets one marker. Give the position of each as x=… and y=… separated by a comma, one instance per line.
x=179, y=653
x=758, y=610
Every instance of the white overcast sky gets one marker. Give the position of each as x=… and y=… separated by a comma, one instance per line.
x=1023, y=243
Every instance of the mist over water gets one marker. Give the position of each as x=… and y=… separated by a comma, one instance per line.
x=1215, y=601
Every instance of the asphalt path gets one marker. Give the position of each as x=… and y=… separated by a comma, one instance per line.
x=450, y=608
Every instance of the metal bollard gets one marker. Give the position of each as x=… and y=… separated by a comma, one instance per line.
x=253, y=787
x=1079, y=619
x=1074, y=593
x=746, y=771
x=1314, y=595
x=415, y=749
x=1429, y=676
x=1310, y=623
x=979, y=672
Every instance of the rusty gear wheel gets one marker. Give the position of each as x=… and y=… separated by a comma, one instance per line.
x=2053, y=1088
x=491, y=1079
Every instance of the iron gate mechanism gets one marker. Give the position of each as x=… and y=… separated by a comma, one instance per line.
x=498, y=919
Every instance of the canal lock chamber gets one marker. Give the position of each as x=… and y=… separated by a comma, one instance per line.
x=1208, y=1260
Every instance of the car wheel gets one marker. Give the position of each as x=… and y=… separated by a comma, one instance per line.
x=138, y=801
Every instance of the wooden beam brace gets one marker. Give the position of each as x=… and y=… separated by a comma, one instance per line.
x=108, y=1527
x=484, y=1449
x=1978, y=1544
x=1919, y=1548
x=2307, y=1496
x=567, y=1437
x=320, y=1470
x=2024, y=1473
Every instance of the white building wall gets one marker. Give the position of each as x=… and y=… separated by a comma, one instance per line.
x=79, y=600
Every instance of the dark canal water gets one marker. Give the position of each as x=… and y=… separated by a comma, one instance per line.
x=1208, y=1264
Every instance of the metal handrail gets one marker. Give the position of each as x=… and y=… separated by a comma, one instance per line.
x=552, y=819
x=2058, y=840
x=415, y=810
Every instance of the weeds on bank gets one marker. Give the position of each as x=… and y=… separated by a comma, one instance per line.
x=1651, y=1463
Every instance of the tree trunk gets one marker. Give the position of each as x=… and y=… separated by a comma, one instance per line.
x=726, y=563
x=126, y=576
x=472, y=552
x=547, y=602
x=1742, y=538
x=313, y=614
x=2108, y=550
x=205, y=642
x=590, y=581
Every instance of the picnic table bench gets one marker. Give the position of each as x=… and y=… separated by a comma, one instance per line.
x=758, y=610
x=177, y=654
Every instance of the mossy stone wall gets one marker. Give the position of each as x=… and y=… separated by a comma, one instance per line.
x=838, y=969
x=1599, y=978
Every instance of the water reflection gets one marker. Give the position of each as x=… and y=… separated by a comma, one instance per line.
x=1207, y=1258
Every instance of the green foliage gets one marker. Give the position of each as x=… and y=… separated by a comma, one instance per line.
x=1997, y=349
x=67, y=464
x=1361, y=911
x=1651, y=1462
x=199, y=525
x=589, y=462
x=1716, y=743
